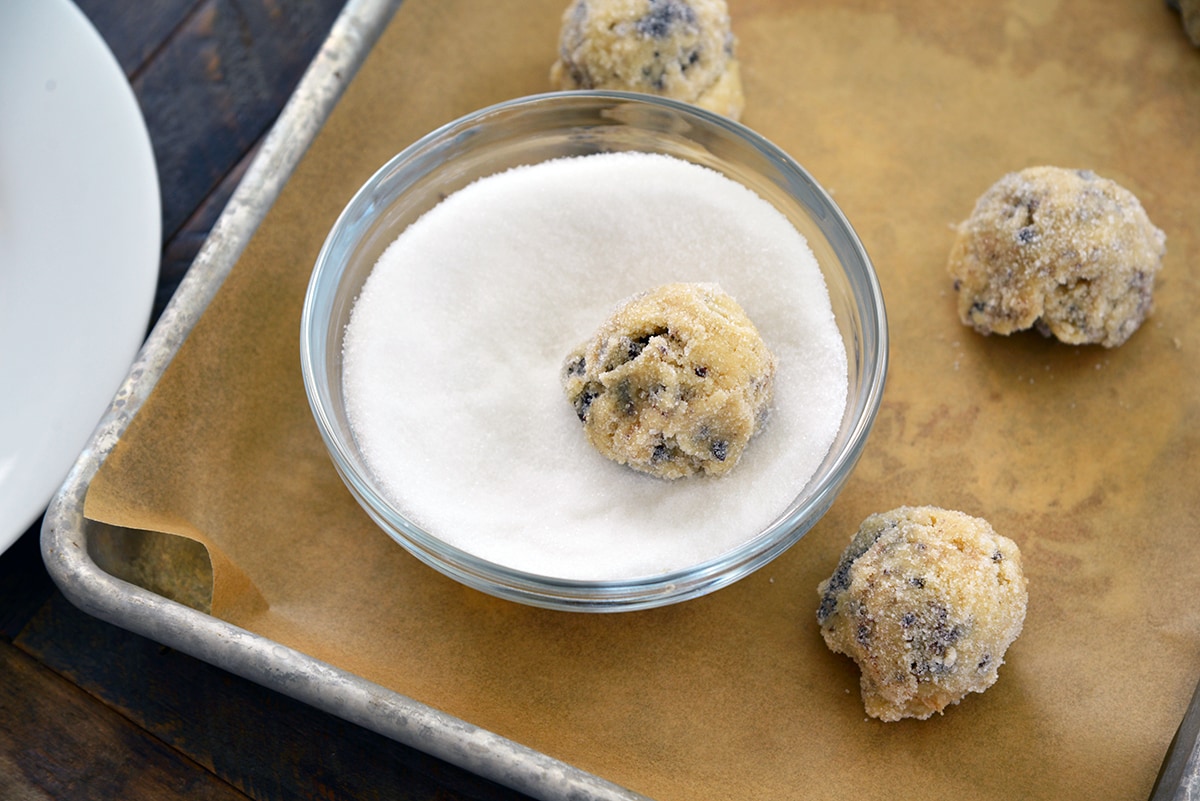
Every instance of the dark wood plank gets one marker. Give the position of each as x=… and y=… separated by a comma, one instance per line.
x=267, y=745
x=56, y=742
x=179, y=253
x=134, y=31
x=217, y=85
x=24, y=583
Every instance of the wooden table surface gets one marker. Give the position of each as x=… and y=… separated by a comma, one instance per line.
x=88, y=710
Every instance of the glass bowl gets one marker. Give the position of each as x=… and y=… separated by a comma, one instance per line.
x=531, y=130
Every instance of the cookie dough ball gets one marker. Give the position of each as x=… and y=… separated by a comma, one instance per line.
x=674, y=383
x=1065, y=251
x=926, y=601
x=682, y=49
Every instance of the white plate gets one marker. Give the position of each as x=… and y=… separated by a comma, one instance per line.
x=80, y=238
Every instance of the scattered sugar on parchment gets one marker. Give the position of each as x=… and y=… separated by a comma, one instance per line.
x=455, y=345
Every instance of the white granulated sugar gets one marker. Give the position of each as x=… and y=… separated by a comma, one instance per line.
x=454, y=350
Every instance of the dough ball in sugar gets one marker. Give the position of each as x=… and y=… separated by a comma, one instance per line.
x=681, y=49
x=674, y=383
x=927, y=602
x=1064, y=251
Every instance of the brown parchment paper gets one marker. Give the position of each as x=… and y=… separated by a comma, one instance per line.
x=1088, y=458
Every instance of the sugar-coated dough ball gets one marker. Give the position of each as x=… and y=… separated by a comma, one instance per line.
x=674, y=383
x=1066, y=251
x=682, y=49
x=926, y=601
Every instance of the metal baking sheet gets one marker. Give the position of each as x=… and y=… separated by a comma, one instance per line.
x=79, y=557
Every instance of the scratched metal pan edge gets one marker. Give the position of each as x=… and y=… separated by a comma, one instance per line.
x=65, y=531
